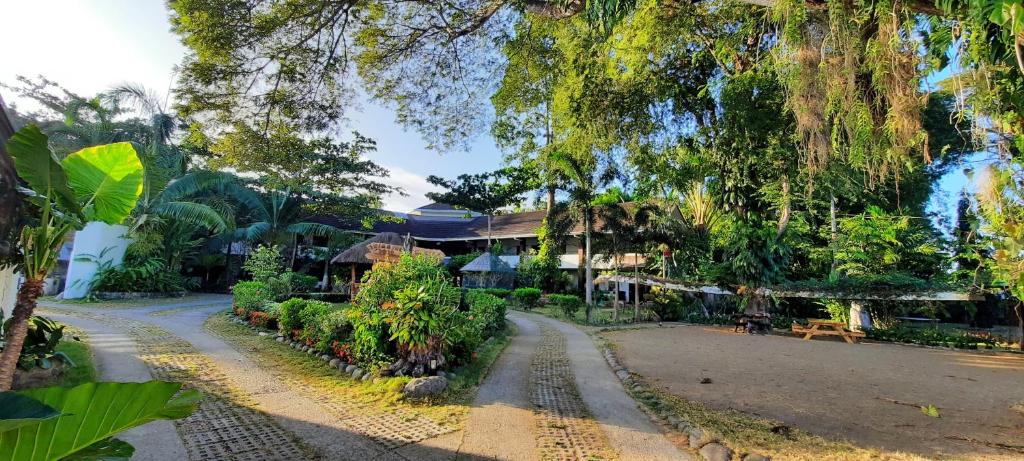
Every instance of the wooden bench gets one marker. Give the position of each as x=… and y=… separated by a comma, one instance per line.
x=827, y=328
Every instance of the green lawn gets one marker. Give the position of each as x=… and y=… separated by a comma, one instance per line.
x=79, y=352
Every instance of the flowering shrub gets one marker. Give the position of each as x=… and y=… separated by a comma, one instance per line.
x=262, y=320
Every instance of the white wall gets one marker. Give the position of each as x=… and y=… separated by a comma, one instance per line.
x=95, y=239
x=9, y=283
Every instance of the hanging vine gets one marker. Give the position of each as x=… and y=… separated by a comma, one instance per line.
x=852, y=73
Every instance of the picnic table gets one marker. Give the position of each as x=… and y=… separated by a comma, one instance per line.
x=828, y=328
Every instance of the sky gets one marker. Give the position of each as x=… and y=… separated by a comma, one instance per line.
x=88, y=46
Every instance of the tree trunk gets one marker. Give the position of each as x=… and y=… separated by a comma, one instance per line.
x=589, y=288
x=227, y=266
x=551, y=198
x=295, y=251
x=834, y=228
x=615, y=298
x=1019, y=310
x=636, y=294
x=327, y=267
x=29, y=292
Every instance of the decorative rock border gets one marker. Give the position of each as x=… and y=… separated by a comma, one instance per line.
x=351, y=370
x=709, y=447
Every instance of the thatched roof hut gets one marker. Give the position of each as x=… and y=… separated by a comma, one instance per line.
x=356, y=254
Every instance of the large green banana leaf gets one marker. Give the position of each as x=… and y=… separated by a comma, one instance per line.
x=16, y=410
x=37, y=165
x=91, y=413
x=107, y=178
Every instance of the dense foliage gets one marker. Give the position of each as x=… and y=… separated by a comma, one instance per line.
x=527, y=297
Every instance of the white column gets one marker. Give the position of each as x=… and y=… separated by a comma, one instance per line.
x=99, y=241
x=860, y=319
x=8, y=290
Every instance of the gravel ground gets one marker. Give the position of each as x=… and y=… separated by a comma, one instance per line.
x=868, y=393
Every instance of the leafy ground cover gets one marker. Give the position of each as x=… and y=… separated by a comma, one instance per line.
x=384, y=393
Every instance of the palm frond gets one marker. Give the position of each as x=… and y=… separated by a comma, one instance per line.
x=311, y=229
x=192, y=213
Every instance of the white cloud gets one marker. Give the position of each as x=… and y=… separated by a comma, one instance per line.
x=414, y=185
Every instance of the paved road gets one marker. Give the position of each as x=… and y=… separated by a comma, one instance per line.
x=528, y=408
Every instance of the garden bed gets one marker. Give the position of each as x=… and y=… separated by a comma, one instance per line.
x=281, y=357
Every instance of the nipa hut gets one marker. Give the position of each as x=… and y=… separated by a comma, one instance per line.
x=356, y=256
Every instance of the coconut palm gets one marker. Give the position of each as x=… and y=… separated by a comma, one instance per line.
x=581, y=179
x=279, y=218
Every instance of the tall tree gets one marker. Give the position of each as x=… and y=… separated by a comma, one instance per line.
x=486, y=192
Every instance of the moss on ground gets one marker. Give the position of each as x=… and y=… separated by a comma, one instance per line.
x=310, y=371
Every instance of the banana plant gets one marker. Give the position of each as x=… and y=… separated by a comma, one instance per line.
x=101, y=183
x=80, y=422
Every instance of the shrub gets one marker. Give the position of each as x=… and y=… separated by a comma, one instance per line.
x=527, y=298
x=931, y=337
x=569, y=304
x=330, y=329
x=249, y=296
x=499, y=292
x=288, y=318
x=145, y=276
x=41, y=340
x=667, y=304
x=310, y=315
x=487, y=309
x=303, y=283
x=410, y=309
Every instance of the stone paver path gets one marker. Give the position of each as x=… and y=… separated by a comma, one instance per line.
x=549, y=396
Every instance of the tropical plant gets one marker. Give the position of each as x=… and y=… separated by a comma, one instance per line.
x=100, y=183
x=279, y=218
x=581, y=178
x=41, y=342
x=425, y=322
x=79, y=422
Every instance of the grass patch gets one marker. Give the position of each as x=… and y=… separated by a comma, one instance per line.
x=309, y=373
x=602, y=316
x=79, y=352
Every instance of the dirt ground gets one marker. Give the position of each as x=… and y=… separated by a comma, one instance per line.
x=868, y=394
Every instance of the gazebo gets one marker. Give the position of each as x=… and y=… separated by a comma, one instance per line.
x=356, y=255
x=488, y=271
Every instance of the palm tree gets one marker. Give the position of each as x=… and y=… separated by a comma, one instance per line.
x=581, y=179
x=624, y=228
x=279, y=218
